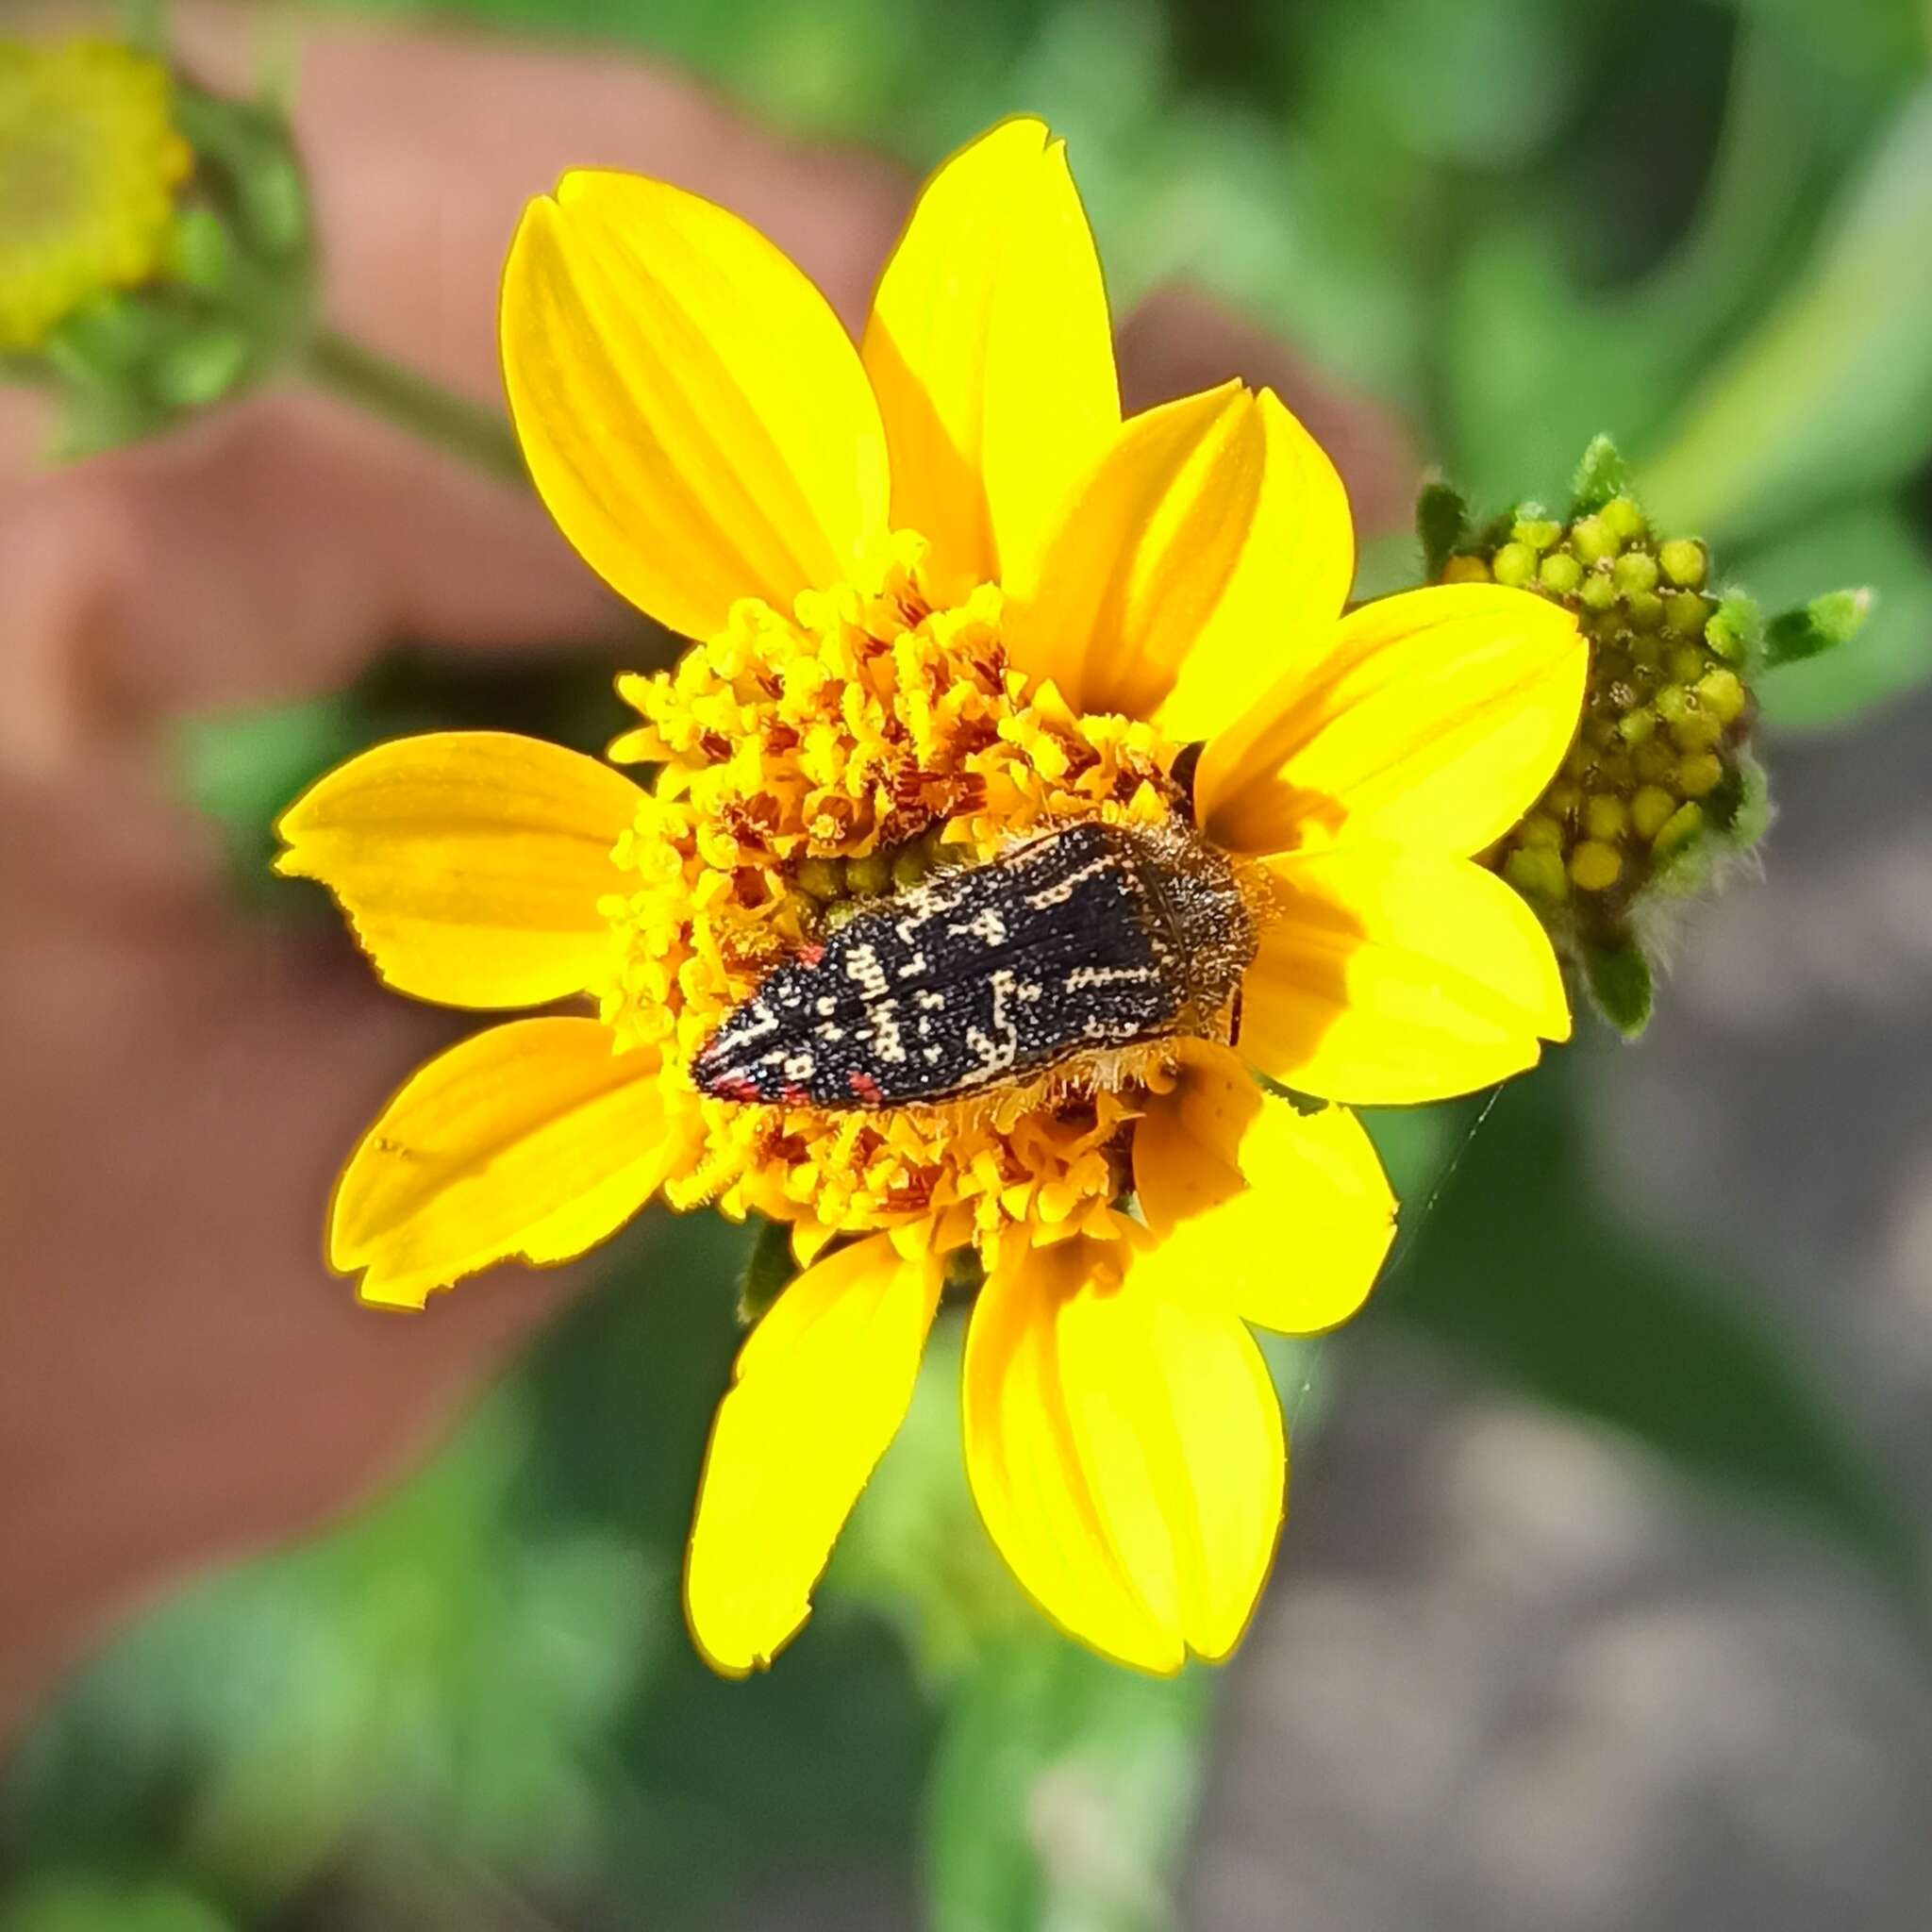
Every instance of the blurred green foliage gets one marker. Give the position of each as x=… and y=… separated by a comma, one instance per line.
x=1062, y=1793
x=1709, y=229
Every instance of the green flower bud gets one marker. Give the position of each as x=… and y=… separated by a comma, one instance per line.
x=1606, y=817
x=1593, y=539
x=1596, y=866
x=1514, y=565
x=1537, y=871
x=1651, y=808
x=1681, y=827
x=1685, y=612
x=820, y=878
x=1560, y=574
x=1700, y=773
x=910, y=865
x=1659, y=787
x=1683, y=561
x=1657, y=764
x=1636, y=570
x=1623, y=517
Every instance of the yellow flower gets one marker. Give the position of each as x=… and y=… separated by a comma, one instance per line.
x=89, y=165
x=949, y=601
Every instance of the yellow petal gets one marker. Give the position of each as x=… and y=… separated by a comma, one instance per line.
x=1386, y=975
x=1125, y=1451
x=1210, y=544
x=694, y=415
x=1283, y=1217
x=991, y=353
x=1433, y=718
x=821, y=1387
x=531, y=1139
x=469, y=862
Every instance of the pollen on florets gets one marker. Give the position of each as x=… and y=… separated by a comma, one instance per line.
x=820, y=758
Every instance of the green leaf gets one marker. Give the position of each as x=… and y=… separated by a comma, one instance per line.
x=244, y=768
x=1442, y=524
x=1063, y=1794
x=1620, y=983
x=768, y=1267
x=1735, y=630
x=705, y=1786
x=491, y=1663
x=100, y=1905
x=1832, y=393
x=1892, y=653
x=202, y=368
x=1816, y=627
x=915, y=1549
x=1601, y=476
x=441, y=1656
x=1528, y=1276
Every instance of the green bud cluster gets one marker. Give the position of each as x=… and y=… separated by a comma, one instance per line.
x=1660, y=747
x=1659, y=785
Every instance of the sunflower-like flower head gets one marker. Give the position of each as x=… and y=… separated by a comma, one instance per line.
x=1027, y=795
x=90, y=163
x=156, y=251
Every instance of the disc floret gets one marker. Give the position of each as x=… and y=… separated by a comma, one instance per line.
x=808, y=763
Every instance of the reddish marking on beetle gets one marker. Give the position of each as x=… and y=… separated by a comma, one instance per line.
x=735, y=1087
x=793, y=1094
x=810, y=955
x=866, y=1087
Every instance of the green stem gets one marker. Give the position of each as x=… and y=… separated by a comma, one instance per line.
x=426, y=409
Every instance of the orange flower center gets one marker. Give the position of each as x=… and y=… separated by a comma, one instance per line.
x=808, y=764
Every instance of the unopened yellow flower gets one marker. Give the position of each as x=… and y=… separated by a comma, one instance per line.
x=90, y=162
x=949, y=601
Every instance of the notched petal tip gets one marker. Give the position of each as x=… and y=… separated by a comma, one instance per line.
x=470, y=865
x=532, y=1141
x=388, y=1297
